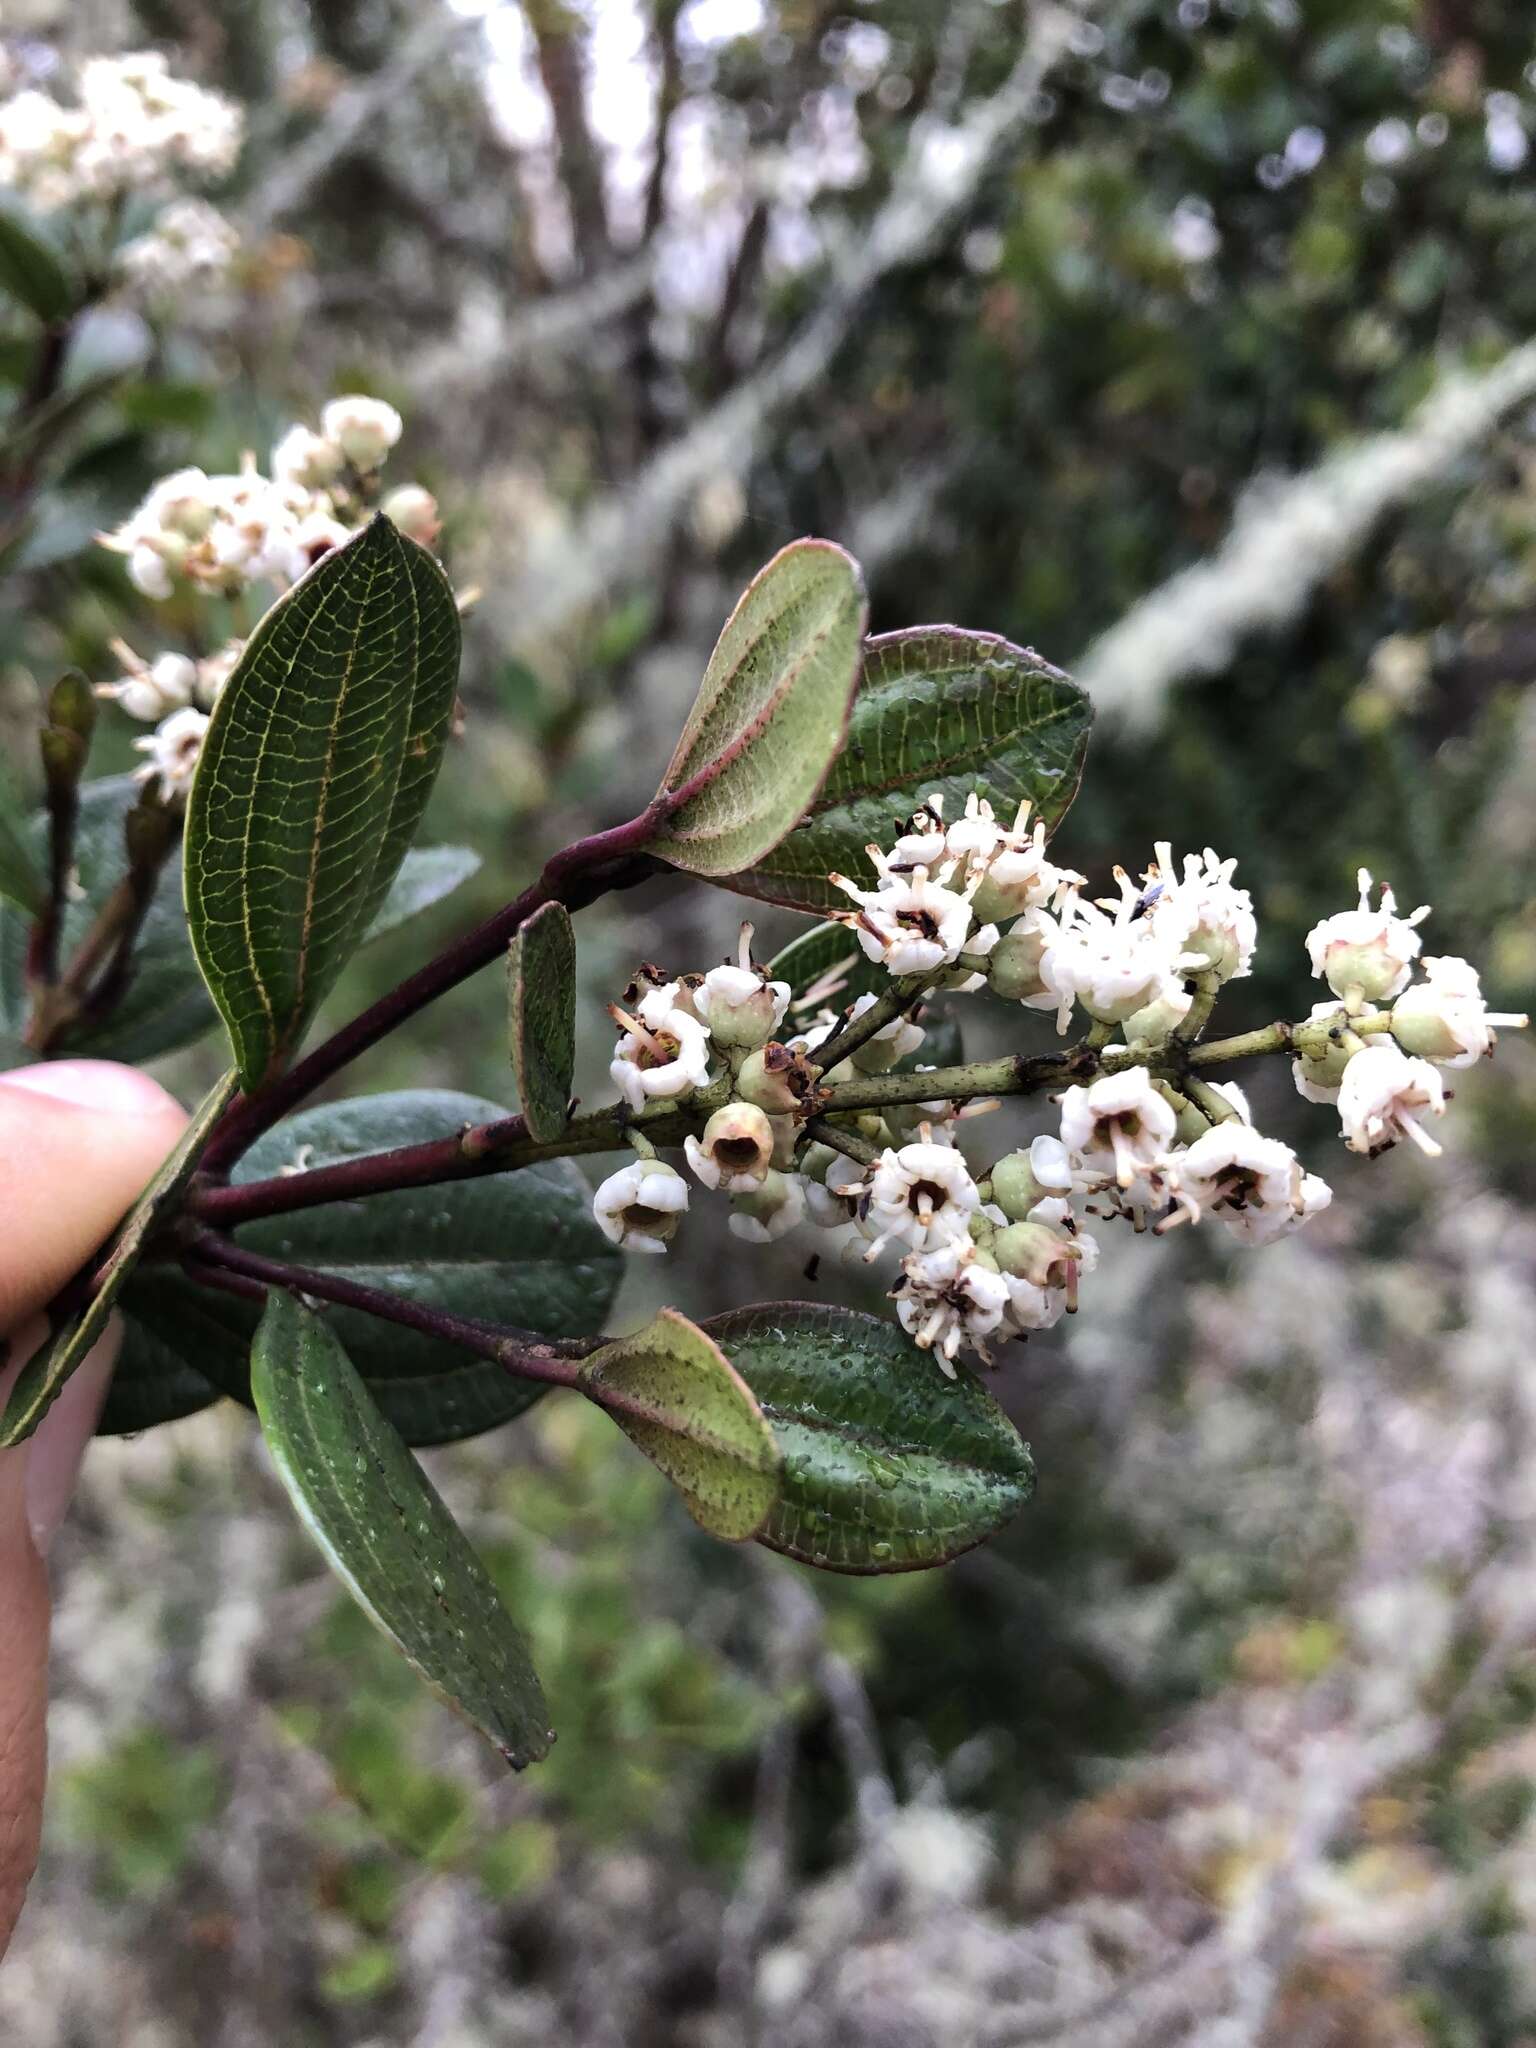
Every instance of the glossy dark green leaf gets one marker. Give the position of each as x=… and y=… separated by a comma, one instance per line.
x=888, y=1465
x=31, y=269
x=151, y=1384
x=770, y=715
x=541, y=1016
x=678, y=1399
x=21, y=878
x=387, y=1535
x=938, y=710
x=45, y=1372
x=319, y=758
x=166, y=1004
x=519, y=1248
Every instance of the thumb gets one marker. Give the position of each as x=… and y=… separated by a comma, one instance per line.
x=78, y=1141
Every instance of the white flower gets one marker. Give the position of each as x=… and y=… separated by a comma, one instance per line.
x=1113, y=965
x=769, y=1211
x=736, y=1150
x=639, y=1206
x=190, y=243
x=911, y=924
x=1119, y=1124
x=214, y=671
x=1252, y=1184
x=306, y=458
x=1009, y=866
x=415, y=511
x=173, y=749
x=1444, y=1018
x=1364, y=949
x=948, y=1297
x=738, y=1003
x=1207, y=924
x=921, y=1195
x=365, y=429
x=661, y=1052
x=150, y=573
x=1383, y=1095
x=923, y=843
x=1033, y=1308
x=151, y=690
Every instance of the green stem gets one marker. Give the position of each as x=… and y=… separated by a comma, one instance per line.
x=849, y=1143
x=901, y=996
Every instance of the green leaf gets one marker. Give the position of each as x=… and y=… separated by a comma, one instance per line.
x=166, y=1004
x=770, y=715
x=320, y=756
x=541, y=1004
x=519, y=1248
x=150, y=1385
x=938, y=710
x=46, y=1371
x=30, y=269
x=888, y=1465
x=21, y=879
x=427, y=875
x=386, y=1533
x=678, y=1399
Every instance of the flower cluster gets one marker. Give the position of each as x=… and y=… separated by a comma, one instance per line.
x=989, y=1254
x=130, y=130
x=224, y=535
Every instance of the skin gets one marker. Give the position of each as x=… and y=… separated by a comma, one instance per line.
x=78, y=1141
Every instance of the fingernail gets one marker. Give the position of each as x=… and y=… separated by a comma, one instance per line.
x=40, y=1473
x=58, y=1445
x=91, y=1084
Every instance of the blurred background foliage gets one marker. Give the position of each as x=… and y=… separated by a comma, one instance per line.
x=1230, y=1739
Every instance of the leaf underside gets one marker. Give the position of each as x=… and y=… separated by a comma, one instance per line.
x=677, y=1398
x=541, y=1006
x=320, y=756
x=888, y=1465
x=770, y=713
x=386, y=1533
x=939, y=710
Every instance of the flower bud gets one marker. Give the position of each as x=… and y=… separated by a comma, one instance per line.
x=1157, y=1022
x=1021, y=1179
x=776, y=1080
x=414, y=511
x=365, y=429
x=307, y=458
x=736, y=1149
x=1036, y=1253
x=1445, y=1017
x=1013, y=967
x=740, y=1007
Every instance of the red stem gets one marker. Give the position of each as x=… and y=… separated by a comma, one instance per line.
x=577, y=876
x=522, y=1352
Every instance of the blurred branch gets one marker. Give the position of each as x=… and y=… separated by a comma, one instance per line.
x=933, y=189
x=1287, y=535
x=556, y=35
x=299, y=170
